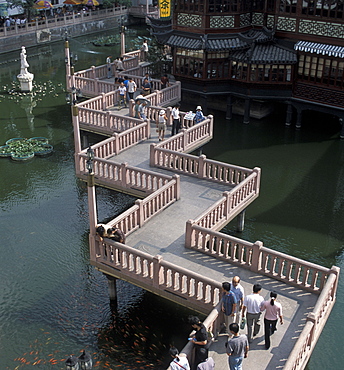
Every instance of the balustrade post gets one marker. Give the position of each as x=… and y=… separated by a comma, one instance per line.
x=312, y=318
x=258, y=171
x=335, y=270
x=139, y=203
x=93, y=68
x=148, y=128
x=177, y=186
x=108, y=119
x=184, y=139
x=156, y=270
x=103, y=101
x=189, y=234
x=116, y=143
x=96, y=86
x=256, y=256
x=152, y=161
x=169, y=115
x=201, y=166
x=211, y=125
x=226, y=194
x=131, y=108
x=77, y=139
x=123, y=171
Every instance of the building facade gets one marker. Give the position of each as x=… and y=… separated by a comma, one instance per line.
x=286, y=50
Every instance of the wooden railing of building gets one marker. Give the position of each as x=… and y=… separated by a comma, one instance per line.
x=160, y=191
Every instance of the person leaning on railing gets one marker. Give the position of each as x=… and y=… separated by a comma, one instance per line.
x=199, y=339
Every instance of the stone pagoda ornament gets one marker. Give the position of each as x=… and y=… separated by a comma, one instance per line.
x=25, y=77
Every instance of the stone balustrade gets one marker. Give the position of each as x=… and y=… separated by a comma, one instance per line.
x=315, y=322
x=155, y=273
x=61, y=20
x=257, y=258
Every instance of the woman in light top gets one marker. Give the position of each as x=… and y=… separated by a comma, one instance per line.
x=273, y=311
x=179, y=362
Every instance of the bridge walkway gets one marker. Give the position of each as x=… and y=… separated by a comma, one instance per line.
x=164, y=235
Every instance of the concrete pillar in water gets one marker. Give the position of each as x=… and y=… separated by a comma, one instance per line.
x=229, y=110
x=289, y=114
x=112, y=287
x=341, y=121
x=241, y=221
x=247, y=111
x=299, y=118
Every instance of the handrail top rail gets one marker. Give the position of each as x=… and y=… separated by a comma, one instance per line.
x=161, y=189
x=164, y=263
x=296, y=260
x=148, y=172
x=263, y=249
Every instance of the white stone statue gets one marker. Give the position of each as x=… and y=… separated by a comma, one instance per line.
x=24, y=63
x=25, y=77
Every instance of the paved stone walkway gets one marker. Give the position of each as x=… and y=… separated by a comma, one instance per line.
x=164, y=235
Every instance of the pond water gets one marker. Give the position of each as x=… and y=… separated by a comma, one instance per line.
x=54, y=304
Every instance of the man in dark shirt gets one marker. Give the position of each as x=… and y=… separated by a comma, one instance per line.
x=146, y=87
x=237, y=348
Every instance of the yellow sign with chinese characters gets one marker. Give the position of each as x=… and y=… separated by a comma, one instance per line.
x=165, y=8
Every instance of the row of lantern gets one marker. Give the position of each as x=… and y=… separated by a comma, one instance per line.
x=83, y=362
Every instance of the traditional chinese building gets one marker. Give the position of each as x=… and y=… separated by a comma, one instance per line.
x=265, y=50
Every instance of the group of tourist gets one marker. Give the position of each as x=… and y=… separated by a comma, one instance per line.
x=239, y=310
x=113, y=233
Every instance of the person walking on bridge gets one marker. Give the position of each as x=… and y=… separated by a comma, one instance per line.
x=252, y=304
x=237, y=348
x=229, y=303
x=238, y=290
x=273, y=311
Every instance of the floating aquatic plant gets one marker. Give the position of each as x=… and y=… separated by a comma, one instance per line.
x=21, y=149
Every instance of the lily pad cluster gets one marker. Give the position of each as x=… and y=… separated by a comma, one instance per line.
x=107, y=40
x=39, y=91
x=22, y=149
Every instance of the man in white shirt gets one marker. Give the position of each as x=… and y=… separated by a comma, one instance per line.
x=131, y=88
x=144, y=50
x=176, y=119
x=252, y=304
x=109, y=67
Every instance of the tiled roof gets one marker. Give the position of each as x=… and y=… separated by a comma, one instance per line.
x=185, y=42
x=265, y=54
x=324, y=49
x=219, y=42
x=225, y=44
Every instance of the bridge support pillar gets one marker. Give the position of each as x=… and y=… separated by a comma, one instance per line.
x=341, y=121
x=241, y=221
x=229, y=110
x=247, y=111
x=289, y=114
x=85, y=141
x=112, y=287
x=299, y=119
